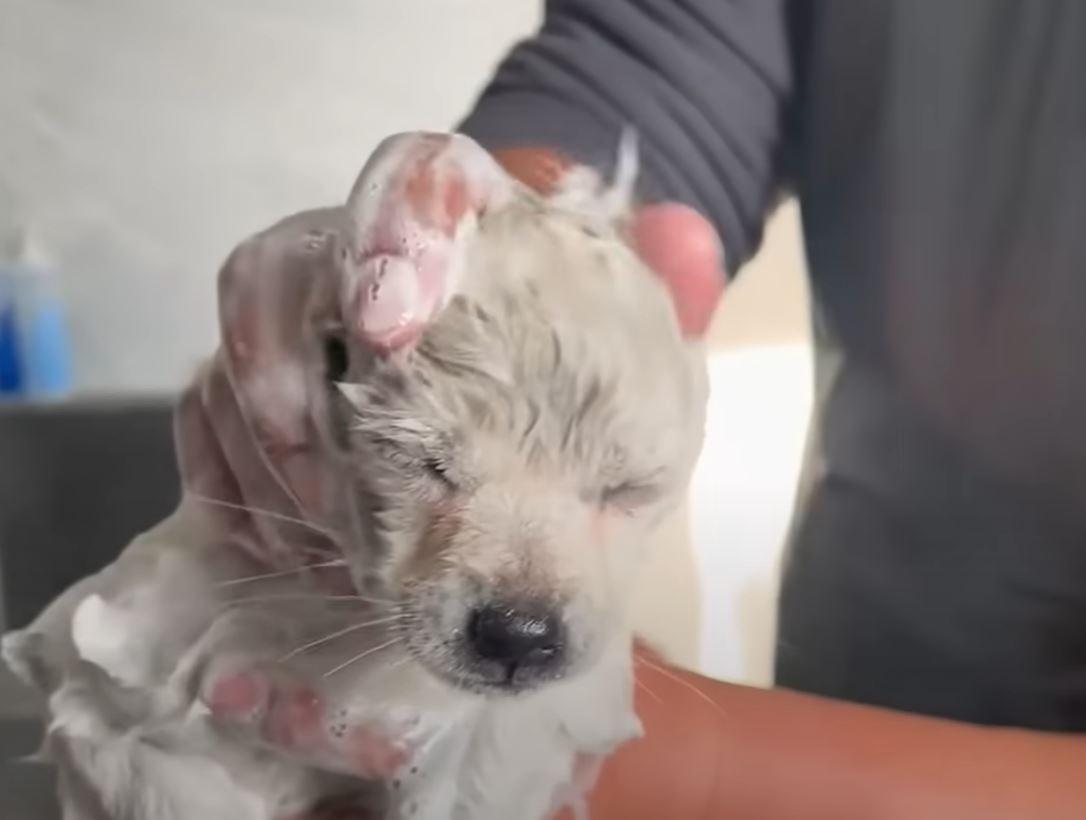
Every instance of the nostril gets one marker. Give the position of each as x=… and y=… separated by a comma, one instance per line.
x=515, y=637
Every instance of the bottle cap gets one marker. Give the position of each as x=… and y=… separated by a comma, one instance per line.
x=19, y=249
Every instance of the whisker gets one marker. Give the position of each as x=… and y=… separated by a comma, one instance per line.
x=218, y=502
x=396, y=665
x=362, y=655
x=685, y=684
x=335, y=562
x=302, y=596
x=339, y=634
x=640, y=685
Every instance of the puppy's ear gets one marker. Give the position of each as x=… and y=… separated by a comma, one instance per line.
x=412, y=214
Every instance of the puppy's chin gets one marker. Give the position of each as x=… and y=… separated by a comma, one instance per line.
x=490, y=679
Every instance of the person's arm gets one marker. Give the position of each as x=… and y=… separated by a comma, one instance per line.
x=705, y=84
x=754, y=753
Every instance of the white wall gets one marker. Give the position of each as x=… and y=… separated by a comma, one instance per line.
x=141, y=139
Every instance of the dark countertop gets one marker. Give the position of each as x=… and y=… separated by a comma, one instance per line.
x=78, y=480
x=27, y=790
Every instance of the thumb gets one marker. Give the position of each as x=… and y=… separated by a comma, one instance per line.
x=683, y=248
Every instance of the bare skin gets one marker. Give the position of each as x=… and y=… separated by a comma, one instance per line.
x=772, y=754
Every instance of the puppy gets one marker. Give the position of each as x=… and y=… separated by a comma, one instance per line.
x=505, y=408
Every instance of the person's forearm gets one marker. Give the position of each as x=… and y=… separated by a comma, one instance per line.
x=731, y=751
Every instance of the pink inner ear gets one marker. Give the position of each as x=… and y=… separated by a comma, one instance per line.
x=413, y=208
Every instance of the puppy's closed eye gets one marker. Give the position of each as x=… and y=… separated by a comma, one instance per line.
x=440, y=470
x=631, y=496
x=415, y=461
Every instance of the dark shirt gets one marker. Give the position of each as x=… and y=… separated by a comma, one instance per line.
x=937, y=562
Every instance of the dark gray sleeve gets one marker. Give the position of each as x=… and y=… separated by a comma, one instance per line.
x=705, y=83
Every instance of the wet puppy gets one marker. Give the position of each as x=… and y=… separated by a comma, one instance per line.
x=505, y=407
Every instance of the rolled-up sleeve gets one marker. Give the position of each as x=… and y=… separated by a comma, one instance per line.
x=706, y=85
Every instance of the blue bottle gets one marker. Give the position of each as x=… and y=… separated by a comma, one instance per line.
x=44, y=342
x=11, y=367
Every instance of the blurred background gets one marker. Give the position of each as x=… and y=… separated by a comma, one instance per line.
x=142, y=139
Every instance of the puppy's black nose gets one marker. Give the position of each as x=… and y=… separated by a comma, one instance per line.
x=525, y=642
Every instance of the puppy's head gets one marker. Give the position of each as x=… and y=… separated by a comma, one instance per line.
x=505, y=463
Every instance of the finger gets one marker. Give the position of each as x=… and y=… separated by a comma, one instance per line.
x=277, y=301
x=683, y=248
x=412, y=212
x=540, y=169
x=297, y=718
x=208, y=478
x=263, y=492
x=236, y=480
x=281, y=711
x=204, y=469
